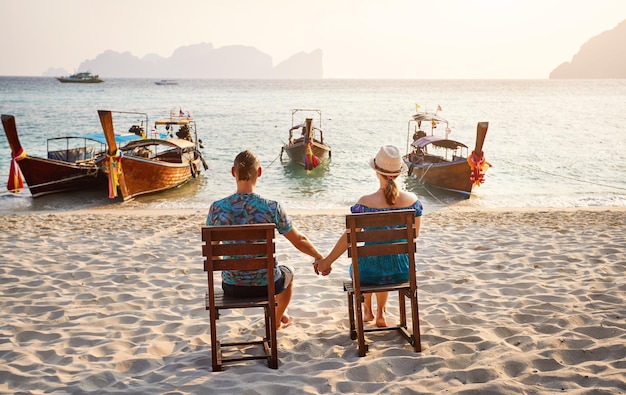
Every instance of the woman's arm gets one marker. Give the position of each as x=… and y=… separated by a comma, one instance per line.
x=323, y=265
x=418, y=222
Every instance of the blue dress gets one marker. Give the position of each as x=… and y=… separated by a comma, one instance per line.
x=384, y=269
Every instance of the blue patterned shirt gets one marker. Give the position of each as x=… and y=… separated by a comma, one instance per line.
x=248, y=208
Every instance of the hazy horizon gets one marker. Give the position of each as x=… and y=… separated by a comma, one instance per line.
x=447, y=39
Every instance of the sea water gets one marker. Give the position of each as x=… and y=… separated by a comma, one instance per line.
x=550, y=143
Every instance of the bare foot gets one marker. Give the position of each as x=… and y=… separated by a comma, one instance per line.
x=368, y=316
x=283, y=320
x=381, y=322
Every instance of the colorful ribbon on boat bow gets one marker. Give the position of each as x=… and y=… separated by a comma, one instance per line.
x=310, y=161
x=477, y=165
x=15, y=182
x=114, y=166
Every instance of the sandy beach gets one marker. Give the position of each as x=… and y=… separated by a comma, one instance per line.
x=511, y=302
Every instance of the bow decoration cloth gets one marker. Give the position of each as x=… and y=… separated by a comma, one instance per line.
x=114, y=167
x=16, y=183
x=477, y=165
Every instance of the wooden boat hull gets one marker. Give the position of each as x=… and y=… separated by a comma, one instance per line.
x=452, y=176
x=47, y=176
x=297, y=152
x=150, y=165
x=144, y=176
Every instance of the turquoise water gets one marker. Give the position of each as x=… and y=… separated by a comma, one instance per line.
x=551, y=143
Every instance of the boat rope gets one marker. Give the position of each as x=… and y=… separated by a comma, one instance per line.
x=424, y=173
x=43, y=184
x=567, y=177
x=272, y=162
x=432, y=195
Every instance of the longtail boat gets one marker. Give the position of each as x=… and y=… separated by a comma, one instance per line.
x=72, y=162
x=308, y=149
x=435, y=160
x=157, y=163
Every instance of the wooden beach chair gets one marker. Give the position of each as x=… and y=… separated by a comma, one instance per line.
x=378, y=234
x=241, y=247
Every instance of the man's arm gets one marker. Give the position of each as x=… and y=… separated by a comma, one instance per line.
x=302, y=243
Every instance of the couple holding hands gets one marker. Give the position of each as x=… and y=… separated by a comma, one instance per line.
x=245, y=206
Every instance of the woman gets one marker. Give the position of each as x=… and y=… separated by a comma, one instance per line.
x=388, y=165
x=245, y=206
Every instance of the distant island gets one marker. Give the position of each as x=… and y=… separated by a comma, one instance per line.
x=602, y=57
x=203, y=61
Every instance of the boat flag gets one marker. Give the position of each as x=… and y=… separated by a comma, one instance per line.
x=417, y=107
x=15, y=182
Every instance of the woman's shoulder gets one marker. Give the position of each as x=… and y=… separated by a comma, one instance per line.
x=371, y=199
x=407, y=199
x=361, y=207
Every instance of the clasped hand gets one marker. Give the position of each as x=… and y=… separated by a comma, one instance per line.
x=321, y=267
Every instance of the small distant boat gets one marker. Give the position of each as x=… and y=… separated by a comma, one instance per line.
x=307, y=150
x=72, y=162
x=156, y=163
x=166, y=82
x=83, y=77
x=439, y=161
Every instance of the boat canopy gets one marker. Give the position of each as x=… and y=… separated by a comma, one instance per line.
x=174, y=121
x=177, y=143
x=301, y=126
x=429, y=117
x=438, y=142
x=119, y=137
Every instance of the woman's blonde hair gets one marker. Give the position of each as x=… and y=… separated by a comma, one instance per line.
x=246, y=166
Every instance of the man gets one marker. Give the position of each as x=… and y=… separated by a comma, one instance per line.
x=247, y=207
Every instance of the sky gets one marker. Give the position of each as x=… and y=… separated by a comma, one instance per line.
x=397, y=39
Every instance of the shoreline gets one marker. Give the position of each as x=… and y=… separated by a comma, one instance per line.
x=333, y=219
x=319, y=211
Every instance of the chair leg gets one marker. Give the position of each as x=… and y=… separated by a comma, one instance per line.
x=215, y=349
x=351, y=315
x=417, y=345
x=360, y=333
x=268, y=331
x=402, y=307
x=272, y=338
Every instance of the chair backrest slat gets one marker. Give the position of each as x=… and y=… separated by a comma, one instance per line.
x=234, y=249
x=382, y=249
x=239, y=247
x=385, y=234
x=380, y=218
x=381, y=233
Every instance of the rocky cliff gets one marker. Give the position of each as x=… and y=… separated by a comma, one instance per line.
x=602, y=57
x=205, y=61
